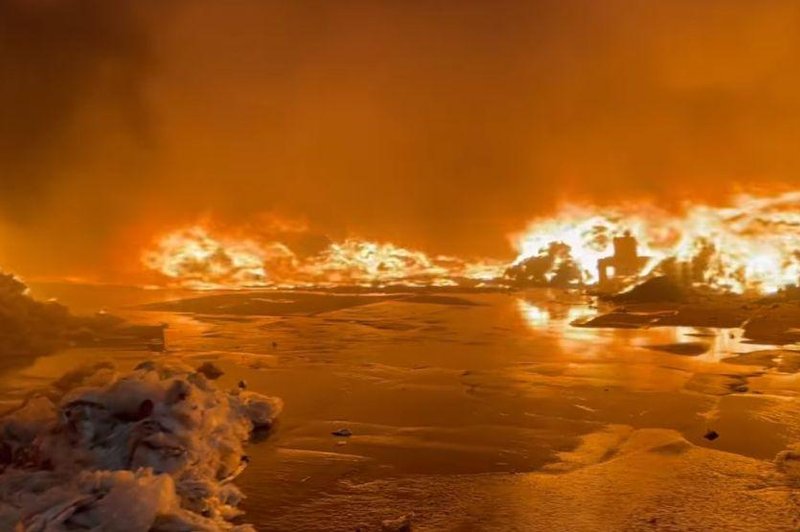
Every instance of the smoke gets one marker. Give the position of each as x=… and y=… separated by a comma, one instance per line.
x=439, y=126
x=60, y=59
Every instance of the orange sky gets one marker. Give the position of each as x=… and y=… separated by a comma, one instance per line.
x=441, y=124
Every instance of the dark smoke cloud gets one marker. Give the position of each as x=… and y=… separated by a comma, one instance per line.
x=59, y=59
x=445, y=124
x=439, y=125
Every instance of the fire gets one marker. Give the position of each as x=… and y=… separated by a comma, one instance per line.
x=198, y=260
x=751, y=246
x=193, y=258
x=581, y=236
x=355, y=262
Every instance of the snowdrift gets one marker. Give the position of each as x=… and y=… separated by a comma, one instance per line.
x=29, y=327
x=156, y=448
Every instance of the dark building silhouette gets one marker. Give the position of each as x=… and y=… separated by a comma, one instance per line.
x=625, y=261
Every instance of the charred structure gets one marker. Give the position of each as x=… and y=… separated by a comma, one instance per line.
x=624, y=263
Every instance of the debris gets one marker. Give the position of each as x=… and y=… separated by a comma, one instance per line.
x=260, y=410
x=789, y=461
x=657, y=289
x=210, y=371
x=155, y=448
x=242, y=384
x=711, y=435
x=401, y=524
x=343, y=433
x=147, y=365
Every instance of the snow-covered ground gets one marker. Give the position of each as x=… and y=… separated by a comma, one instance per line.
x=488, y=412
x=156, y=448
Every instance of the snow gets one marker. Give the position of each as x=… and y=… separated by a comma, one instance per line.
x=155, y=448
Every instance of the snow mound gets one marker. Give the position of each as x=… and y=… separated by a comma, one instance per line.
x=156, y=448
x=29, y=327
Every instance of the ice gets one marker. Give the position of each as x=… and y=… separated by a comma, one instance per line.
x=155, y=448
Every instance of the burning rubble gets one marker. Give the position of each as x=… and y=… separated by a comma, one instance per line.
x=193, y=258
x=156, y=448
x=750, y=246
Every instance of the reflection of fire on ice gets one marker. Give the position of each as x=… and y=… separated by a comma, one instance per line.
x=152, y=449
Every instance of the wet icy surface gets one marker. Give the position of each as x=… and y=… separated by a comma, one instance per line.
x=489, y=411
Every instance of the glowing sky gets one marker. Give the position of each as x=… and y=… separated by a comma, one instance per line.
x=438, y=125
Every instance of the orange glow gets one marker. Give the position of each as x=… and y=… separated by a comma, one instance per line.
x=753, y=245
x=194, y=258
x=750, y=246
x=200, y=261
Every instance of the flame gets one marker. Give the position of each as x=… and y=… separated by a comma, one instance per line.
x=200, y=261
x=588, y=236
x=193, y=258
x=752, y=245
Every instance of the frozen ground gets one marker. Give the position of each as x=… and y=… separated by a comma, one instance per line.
x=485, y=412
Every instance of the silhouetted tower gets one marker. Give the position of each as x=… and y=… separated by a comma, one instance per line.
x=625, y=261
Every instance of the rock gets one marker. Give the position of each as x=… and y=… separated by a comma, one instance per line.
x=260, y=409
x=401, y=524
x=711, y=435
x=210, y=371
x=343, y=433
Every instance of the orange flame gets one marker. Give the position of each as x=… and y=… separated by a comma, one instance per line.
x=753, y=245
x=193, y=258
x=198, y=260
